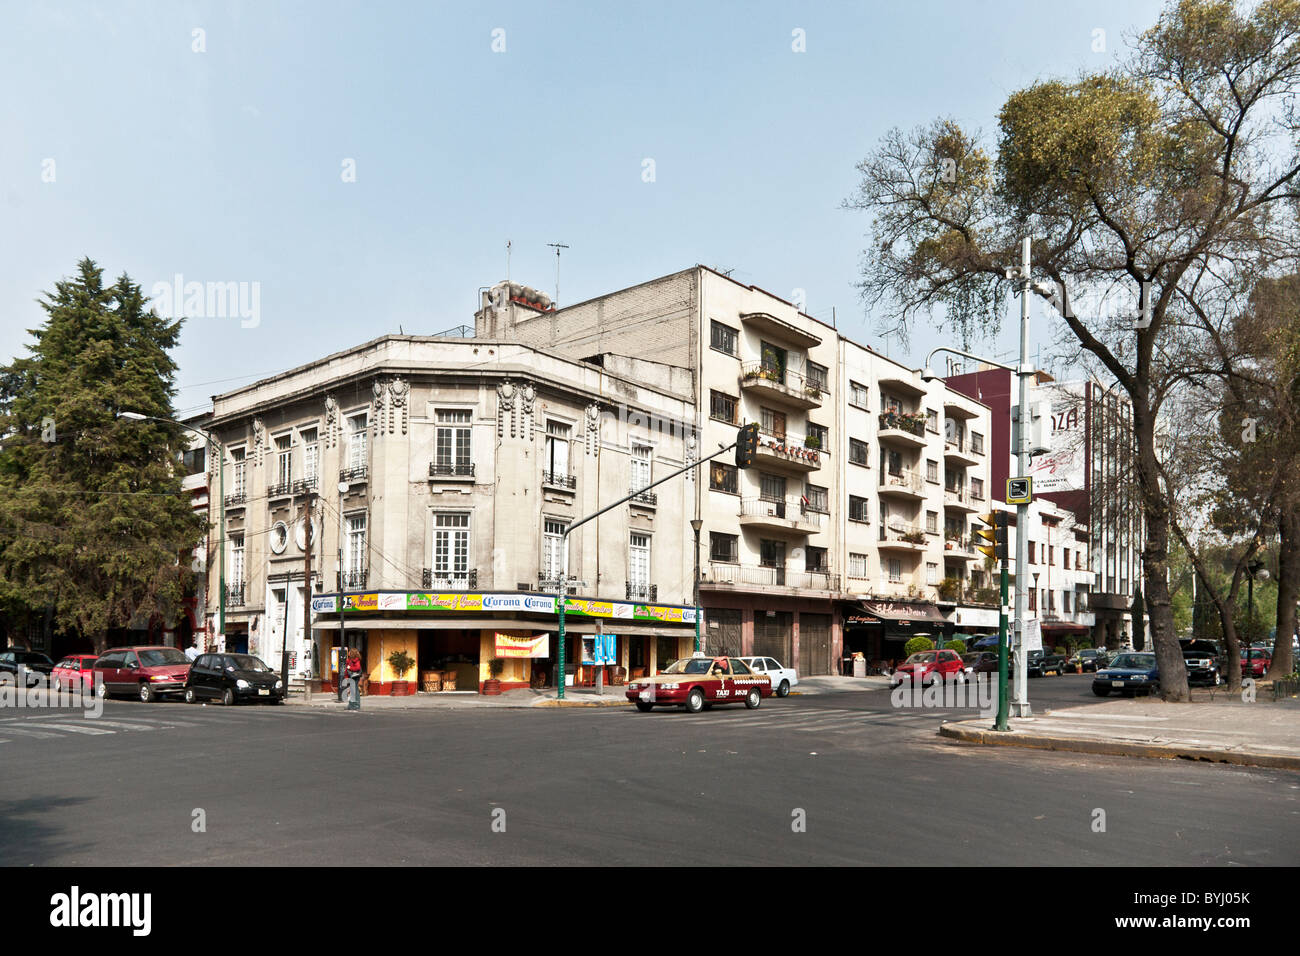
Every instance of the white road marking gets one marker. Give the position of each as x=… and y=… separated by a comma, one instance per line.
x=73, y=728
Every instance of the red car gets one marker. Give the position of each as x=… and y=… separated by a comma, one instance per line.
x=700, y=682
x=74, y=669
x=145, y=672
x=1258, y=663
x=925, y=667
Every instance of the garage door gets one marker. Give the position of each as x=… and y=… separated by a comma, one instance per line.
x=723, y=629
x=814, y=644
x=774, y=635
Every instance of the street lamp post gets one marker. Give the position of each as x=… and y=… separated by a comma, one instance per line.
x=221, y=498
x=1254, y=569
x=696, y=524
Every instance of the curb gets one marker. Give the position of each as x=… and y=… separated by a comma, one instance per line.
x=552, y=702
x=1014, y=738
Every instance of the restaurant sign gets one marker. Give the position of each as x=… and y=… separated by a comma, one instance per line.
x=516, y=644
x=525, y=603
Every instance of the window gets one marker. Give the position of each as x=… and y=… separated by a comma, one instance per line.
x=236, y=560
x=932, y=471
x=451, y=545
x=977, y=489
x=310, y=454
x=857, y=565
x=357, y=440
x=895, y=570
x=723, y=478
x=932, y=421
x=816, y=499
x=724, y=548
x=858, y=395
x=557, y=449
x=1065, y=601
x=857, y=451
x=894, y=462
x=977, y=443
x=1033, y=597
x=452, y=438
x=815, y=559
x=1031, y=553
x=771, y=487
x=356, y=552
x=1065, y=558
x=773, y=422
x=284, y=459
x=817, y=375
x=723, y=337
x=641, y=466
x=722, y=407
x=240, y=474
x=194, y=460
x=890, y=403
x=858, y=509
x=771, y=554
x=819, y=434
x=775, y=359
x=552, y=552
x=931, y=573
x=1051, y=554
x=932, y=522
x=638, y=561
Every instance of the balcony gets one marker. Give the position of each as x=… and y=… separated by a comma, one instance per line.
x=959, y=547
x=235, y=594
x=236, y=500
x=557, y=481
x=449, y=581
x=897, y=536
x=958, y=452
x=451, y=471
x=902, y=428
x=773, y=514
x=958, y=499
x=780, y=329
x=281, y=490
x=787, y=453
x=781, y=384
x=354, y=580
x=742, y=577
x=641, y=592
x=644, y=499
x=355, y=474
x=903, y=483
x=304, y=486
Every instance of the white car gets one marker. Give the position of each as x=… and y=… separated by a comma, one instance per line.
x=783, y=678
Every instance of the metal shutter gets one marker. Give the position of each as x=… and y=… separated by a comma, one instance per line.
x=724, y=639
x=774, y=636
x=814, y=644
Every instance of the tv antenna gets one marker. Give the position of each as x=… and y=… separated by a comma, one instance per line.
x=507, y=260
x=557, y=246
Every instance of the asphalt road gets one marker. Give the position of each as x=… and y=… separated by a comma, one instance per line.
x=872, y=784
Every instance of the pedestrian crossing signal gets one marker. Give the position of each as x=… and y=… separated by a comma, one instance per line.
x=995, y=534
x=746, y=444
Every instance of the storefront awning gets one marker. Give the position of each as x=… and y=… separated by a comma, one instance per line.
x=901, y=612
x=624, y=628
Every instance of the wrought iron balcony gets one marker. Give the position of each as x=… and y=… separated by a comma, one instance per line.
x=556, y=480
x=642, y=592
x=648, y=498
x=356, y=579
x=451, y=469
x=281, y=490
x=235, y=594
x=236, y=501
x=304, y=485
x=353, y=474
x=743, y=576
x=453, y=581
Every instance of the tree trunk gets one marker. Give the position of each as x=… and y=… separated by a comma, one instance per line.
x=1288, y=590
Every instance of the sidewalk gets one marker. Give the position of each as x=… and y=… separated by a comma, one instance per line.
x=1214, y=727
x=573, y=696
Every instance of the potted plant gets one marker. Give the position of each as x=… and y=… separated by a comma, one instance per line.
x=492, y=686
x=812, y=441
x=914, y=537
x=400, y=662
x=950, y=588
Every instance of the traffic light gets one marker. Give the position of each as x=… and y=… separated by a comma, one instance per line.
x=746, y=444
x=995, y=534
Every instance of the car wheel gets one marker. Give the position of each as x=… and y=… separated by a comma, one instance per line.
x=753, y=699
x=1101, y=691
x=227, y=697
x=644, y=706
x=146, y=694
x=695, y=701
x=1218, y=679
x=189, y=695
x=784, y=689
x=103, y=692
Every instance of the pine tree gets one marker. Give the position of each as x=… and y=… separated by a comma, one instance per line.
x=93, y=521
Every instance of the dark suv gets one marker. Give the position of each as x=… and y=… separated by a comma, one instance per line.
x=37, y=665
x=1203, y=662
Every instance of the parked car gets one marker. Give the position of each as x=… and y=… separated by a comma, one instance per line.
x=37, y=665
x=980, y=662
x=1203, y=662
x=1129, y=673
x=925, y=667
x=73, y=670
x=232, y=677
x=700, y=682
x=1051, y=663
x=1034, y=663
x=1087, y=659
x=1257, y=664
x=783, y=678
x=146, y=672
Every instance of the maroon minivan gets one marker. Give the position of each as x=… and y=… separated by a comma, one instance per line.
x=145, y=672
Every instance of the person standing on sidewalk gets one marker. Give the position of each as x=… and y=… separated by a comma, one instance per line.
x=354, y=676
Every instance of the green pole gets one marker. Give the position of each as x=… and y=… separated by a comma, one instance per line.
x=221, y=539
x=559, y=649
x=1002, y=655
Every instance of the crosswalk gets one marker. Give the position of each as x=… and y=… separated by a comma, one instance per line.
x=832, y=720
x=54, y=724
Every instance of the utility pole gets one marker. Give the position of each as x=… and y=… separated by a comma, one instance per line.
x=557, y=246
x=306, y=594
x=1020, y=703
x=338, y=680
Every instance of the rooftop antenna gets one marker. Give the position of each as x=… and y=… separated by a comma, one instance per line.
x=507, y=260
x=557, y=246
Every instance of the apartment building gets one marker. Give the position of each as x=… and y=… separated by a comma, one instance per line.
x=858, y=509
x=440, y=475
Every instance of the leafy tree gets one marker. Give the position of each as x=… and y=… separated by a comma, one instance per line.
x=92, y=516
x=1179, y=166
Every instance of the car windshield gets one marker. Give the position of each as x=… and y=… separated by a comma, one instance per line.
x=689, y=665
x=32, y=658
x=160, y=656
x=247, y=662
x=1255, y=655
x=1135, y=661
x=921, y=657
x=1089, y=653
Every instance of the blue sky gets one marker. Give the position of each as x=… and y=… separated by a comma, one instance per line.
x=227, y=165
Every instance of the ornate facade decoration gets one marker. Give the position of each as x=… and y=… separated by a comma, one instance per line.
x=506, y=408
x=259, y=442
x=692, y=453
x=331, y=421
x=528, y=394
x=378, y=392
x=398, y=410
x=593, y=429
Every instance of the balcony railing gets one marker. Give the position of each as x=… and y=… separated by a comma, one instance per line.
x=304, y=485
x=353, y=474
x=235, y=594
x=648, y=498
x=903, y=480
x=957, y=542
x=553, y=479
x=766, y=372
x=451, y=469
x=355, y=579
x=771, y=577
x=449, y=581
x=791, y=448
x=956, y=496
x=911, y=422
x=787, y=509
x=900, y=532
x=642, y=592
x=281, y=490
x=236, y=500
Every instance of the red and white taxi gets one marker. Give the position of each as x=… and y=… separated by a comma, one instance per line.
x=699, y=682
